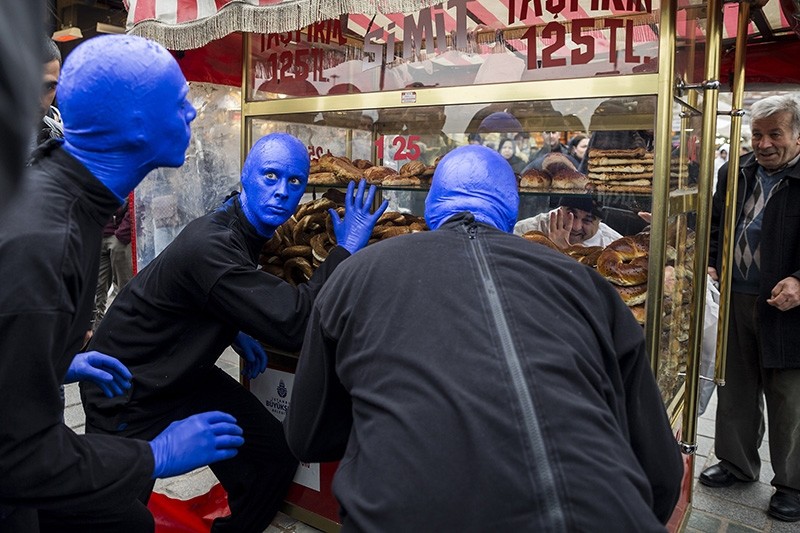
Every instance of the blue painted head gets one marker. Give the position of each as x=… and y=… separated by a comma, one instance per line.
x=274, y=178
x=477, y=179
x=124, y=103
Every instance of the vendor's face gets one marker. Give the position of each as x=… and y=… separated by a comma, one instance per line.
x=584, y=224
x=774, y=141
x=171, y=114
x=273, y=183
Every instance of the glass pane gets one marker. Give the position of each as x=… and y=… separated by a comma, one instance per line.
x=398, y=149
x=677, y=309
x=169, y=198
x=462, y=42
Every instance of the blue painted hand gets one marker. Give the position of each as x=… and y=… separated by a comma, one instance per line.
x=249, y=349
x=105, y=371
x=195, y=441
x=354, y=231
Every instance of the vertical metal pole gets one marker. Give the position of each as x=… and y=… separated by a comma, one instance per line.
x=661, y=171
x=730, y=196
x=702, y=232
x=244, y=140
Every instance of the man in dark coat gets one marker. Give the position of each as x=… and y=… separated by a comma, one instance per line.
x=122, y=119
x=205, y=292
x=509, y=385
x=763, y=361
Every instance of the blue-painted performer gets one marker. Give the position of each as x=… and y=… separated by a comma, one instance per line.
x=205, y=292
x=509, y=386
x=121, y=120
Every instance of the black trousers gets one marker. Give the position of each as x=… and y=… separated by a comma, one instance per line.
x=740, y=407
x=258, y=478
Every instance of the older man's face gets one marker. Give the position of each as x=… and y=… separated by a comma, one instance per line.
x=775, y=143
x=584, y=224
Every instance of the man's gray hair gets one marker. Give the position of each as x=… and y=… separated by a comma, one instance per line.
x=778, y=104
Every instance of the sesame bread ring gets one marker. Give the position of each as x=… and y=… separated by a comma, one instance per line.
x=307, y=227
x=624, y=261
x=632, y=294
x=298, y=250
x=638, y=313
x=391, y=216
x=329, y=225
x=587, y=255
x=320, y=205
x=541, y=238
x=320, y=246
x=393, y=231
x=297, y=270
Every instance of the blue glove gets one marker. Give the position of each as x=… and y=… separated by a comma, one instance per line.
x=103, y=370
x=354, y=231
x=194, y=442
x=249, y=349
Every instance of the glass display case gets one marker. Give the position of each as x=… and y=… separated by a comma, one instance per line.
x=383, y=99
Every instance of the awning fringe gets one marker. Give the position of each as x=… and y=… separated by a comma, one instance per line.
x=243, y=16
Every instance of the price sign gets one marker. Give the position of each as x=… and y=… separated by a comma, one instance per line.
x=404, y=147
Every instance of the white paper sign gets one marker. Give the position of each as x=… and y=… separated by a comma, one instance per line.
x=274, y=388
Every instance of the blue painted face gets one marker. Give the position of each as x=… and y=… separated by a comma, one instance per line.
x=477, y=179
x=124, y=118
x=274, y=178
x=170, y=116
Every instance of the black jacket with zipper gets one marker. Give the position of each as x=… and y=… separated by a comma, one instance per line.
x=471, y=380
x=780, y=258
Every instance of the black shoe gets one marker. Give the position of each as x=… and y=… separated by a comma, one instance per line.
x=785, y=506
x=718, y=476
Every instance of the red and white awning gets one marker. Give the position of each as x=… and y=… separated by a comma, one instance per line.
x=188, y=24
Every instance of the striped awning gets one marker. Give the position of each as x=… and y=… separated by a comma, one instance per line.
x=188, y=24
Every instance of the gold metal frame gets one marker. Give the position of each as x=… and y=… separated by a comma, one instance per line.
x=634, y=85
x=730, y=197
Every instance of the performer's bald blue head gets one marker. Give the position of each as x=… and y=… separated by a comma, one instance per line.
x=274, y=178
x=124, y=103
x=476, y=179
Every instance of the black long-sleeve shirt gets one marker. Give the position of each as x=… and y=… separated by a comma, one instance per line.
x=506, y=385
x=172, y=321
x=49, y=253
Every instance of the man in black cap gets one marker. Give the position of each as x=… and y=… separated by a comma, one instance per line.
x=576, y=221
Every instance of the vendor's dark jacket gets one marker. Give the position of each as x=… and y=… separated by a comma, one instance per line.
x=780, y=258
x=173, y=320
x=49, y=253
x=466, y=377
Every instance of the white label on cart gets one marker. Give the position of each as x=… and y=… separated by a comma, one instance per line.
x=408, y=97
x=274, y=388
